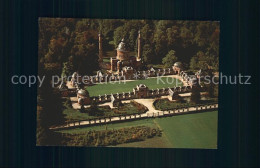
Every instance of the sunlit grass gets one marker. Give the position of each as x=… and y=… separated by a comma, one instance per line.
x=119, y=87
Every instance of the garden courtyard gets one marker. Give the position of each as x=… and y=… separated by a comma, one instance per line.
x=119, y=87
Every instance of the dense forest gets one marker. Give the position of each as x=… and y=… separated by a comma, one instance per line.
x=74, y=42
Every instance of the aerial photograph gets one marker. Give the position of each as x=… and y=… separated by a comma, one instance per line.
x=128, y=83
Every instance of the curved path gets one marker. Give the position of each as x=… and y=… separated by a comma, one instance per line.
x=149, y=104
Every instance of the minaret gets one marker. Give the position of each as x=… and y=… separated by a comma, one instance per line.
x=139, y=46
x=100, y=59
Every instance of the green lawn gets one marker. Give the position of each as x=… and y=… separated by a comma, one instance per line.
x=117, y=87
x=155, y=142
x=184, y=131
x=191, y=130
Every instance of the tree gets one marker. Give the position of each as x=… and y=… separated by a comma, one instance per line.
x=41, y=134
x=169, y=59
x=148, y=54
x=216, y=90
x=85, y=52
x=211, y=88
x=186, y=34
x=119, y=33
x=194, y=63
x=132, y=39
x=195, y=94
x=49, y=113
x=51, y=103
x=147, y=33
x=172, y=35
x=202, y=61
x=44, y=136
x=93, y=109
x=160, y=41
x=67, y=68
x=60, y=38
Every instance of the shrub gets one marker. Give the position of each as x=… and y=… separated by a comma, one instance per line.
x=113, y=137
x=67, y=103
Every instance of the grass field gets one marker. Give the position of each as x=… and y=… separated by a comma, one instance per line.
x=192, y=130
x=156, y=142
x=116, y=87
x=184, y=131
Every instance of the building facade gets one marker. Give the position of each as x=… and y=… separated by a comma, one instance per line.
x=123, y=57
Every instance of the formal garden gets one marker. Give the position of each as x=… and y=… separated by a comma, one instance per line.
x=95, y=112
x=166, y=104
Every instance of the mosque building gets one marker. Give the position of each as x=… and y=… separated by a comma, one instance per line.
x=123, y=58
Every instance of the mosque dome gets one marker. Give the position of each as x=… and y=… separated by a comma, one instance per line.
x=74, y=75
x=127, y=68
x=122, y=46
x=142, y=86
x=83, y=93
x=178, y=64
